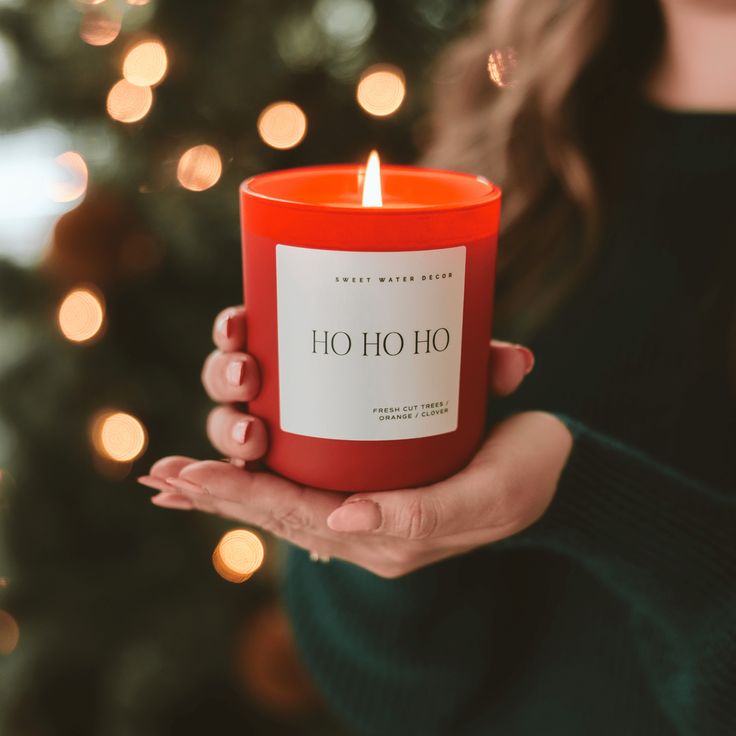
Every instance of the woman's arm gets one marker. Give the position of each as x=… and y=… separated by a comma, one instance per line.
x=665, y=544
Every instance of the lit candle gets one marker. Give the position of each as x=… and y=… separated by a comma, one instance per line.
x=368, y=294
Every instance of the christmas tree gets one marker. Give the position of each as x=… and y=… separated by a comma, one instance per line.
x=127, y=128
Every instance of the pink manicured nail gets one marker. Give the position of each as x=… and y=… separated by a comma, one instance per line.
x=528, y=357
x=240, y=431
x=151, y=481
x=235, y=372
x=355, y=516
x=225, y=326
x=184, y=485
x=172, y=501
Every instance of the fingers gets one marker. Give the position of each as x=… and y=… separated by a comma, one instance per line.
x=172, y=465
x=264, y=499
x=229, y=331
x=236, y=434
x=508, y=366
x=172, y=501
x=162, y=469
x=231, y=377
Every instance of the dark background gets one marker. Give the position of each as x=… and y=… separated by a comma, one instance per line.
x=124, y=626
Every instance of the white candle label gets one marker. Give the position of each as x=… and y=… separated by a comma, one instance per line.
x=369, y=342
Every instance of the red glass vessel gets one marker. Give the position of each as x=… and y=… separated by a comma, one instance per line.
x=371, y=325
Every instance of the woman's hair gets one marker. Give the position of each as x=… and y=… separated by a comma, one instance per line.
x=550, y=136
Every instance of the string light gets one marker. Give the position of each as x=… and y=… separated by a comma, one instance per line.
x=501, y=64
x=75, y=176
x=98, y=28
x=118, y=436
x=81, y=315
x=146, y=63
x=9, y=633
x=282, y=125
x=381, y=90
x=199, y=168
x=238, y=555
x=128, y=103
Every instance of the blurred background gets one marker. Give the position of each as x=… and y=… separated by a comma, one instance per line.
x=126, y=128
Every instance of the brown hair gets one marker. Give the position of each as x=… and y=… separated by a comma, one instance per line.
x=550, y=137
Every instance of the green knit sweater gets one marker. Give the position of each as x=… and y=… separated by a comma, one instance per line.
x=615, y=614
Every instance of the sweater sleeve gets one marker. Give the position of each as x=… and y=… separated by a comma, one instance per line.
x=665, y=544
x=662, y=543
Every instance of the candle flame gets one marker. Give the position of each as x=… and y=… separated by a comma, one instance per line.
x=372, y=193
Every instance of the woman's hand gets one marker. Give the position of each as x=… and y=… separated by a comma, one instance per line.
x=505, y=488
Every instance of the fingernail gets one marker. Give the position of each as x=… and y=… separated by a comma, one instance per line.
x=172, y=501
x=240, y=431
x=225, y=326
x=151, y=481
x=235, y=372
x=355, y=516
x=184, y=485
x=528, y=358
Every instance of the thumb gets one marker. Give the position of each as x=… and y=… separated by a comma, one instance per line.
x=412, y=513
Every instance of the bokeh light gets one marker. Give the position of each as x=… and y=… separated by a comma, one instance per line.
x=381, y=90
x=138, y=2
x=8, y=59
x=98, y=28
x=282, y=125
x=9, y=633
x=199, y=168
x=72, y=182
x=7, y=488
x=238, y=555
x=146, y=63
x=501, y=64
x=348, y=23
x=81, y=315
x=119, y=436
x=128, y=103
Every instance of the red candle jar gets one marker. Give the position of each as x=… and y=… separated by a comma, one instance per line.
x=371, y=325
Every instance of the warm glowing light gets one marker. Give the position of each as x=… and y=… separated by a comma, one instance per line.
x=282, y=125
x=99, y=29
x=501, y=64
x=119, y=436
x=238, y=555
x=381, y=90
x=73, y=182
x=81, y=315
x=9, y=633
x=4, y=582
x=200, y=168
x=372, y=190
x=128, y=103
x=145, y=64
x=138, y=2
